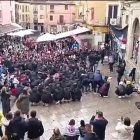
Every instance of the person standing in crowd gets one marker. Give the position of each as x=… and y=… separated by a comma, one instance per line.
x=82, y=129
x=5, y=99
x=111, y=60
x=120, y=71
x=6, y=123
x=128, y=89
x=18, y=127
x=97, y=80
x=89, y=134
x=23, y=103
x=99, y=125
x=136, y=131
x=35, y=128
x=102, y=55
x=105, y=87
x=71, y=132
x=57, y=135
x=124, y=129
x=133, y=74
x=120, y=91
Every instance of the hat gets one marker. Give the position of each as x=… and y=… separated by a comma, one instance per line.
x=128, y=82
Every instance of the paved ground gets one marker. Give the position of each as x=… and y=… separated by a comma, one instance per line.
x=113, y=108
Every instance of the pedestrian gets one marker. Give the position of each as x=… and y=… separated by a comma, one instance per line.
x=136, y=131
x=120, y=72
x=89, y=134
x=124, y=129
x=35, y=128
x=23, y=103
x=97, y=80
x=105, y=88
x=57, y=135
x=71, y=132
x=111, y=60
x=18, y=127
x=82, y=129
x=133, y=74
x=6, y=122
x=128, y=89
x=5, y=99
x=99, y=125
x=120, y=90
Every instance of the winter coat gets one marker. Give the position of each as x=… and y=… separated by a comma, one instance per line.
x=34, y=96
x=136, y=131
x=18, y=128
x=47, y=98
x=35, y=128
x=67, y=93
x=59, y=137
x=97, y=76
x=99, y=126
x=129, y=89
x=23, y=103
x=120, y=91
x=104, y=89
x=124, y=132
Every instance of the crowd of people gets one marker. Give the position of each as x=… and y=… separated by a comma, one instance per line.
x=50, y=73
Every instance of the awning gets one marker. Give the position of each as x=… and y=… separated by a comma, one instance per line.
x=4, y=29
x=46, y=37
x=79, y=30
x=21, y=33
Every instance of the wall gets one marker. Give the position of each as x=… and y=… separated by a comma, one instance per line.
x=5, y=10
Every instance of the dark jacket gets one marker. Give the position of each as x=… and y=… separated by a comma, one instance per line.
x=35, y=128
x=129, y=89
x=18, y=127
x=136, y=131
x=104, y=89
x=120, y=91
x=99, y=126
x=90, y=136
x=97, y=76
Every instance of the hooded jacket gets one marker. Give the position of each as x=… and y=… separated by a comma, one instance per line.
x=124, y=132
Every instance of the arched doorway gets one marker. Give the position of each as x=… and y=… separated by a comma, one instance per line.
x=135, y=35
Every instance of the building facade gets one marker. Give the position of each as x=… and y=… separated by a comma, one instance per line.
x=45, y=16
x=131, y=16
x=5, y=12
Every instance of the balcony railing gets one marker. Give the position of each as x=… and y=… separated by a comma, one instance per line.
x=51, y=10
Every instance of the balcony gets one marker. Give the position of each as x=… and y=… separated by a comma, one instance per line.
x=114, y=21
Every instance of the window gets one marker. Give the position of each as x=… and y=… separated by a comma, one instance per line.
x=35, y=16
x=66, y=7
x=51, y=18
x=126, y=19
x=22, y=17
x=22, y=8
x=61, y=19
x=51, y=7
x=0, y=13
x=35, y=8
x=41, y=16
x=41, y=7
x=26, y=9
